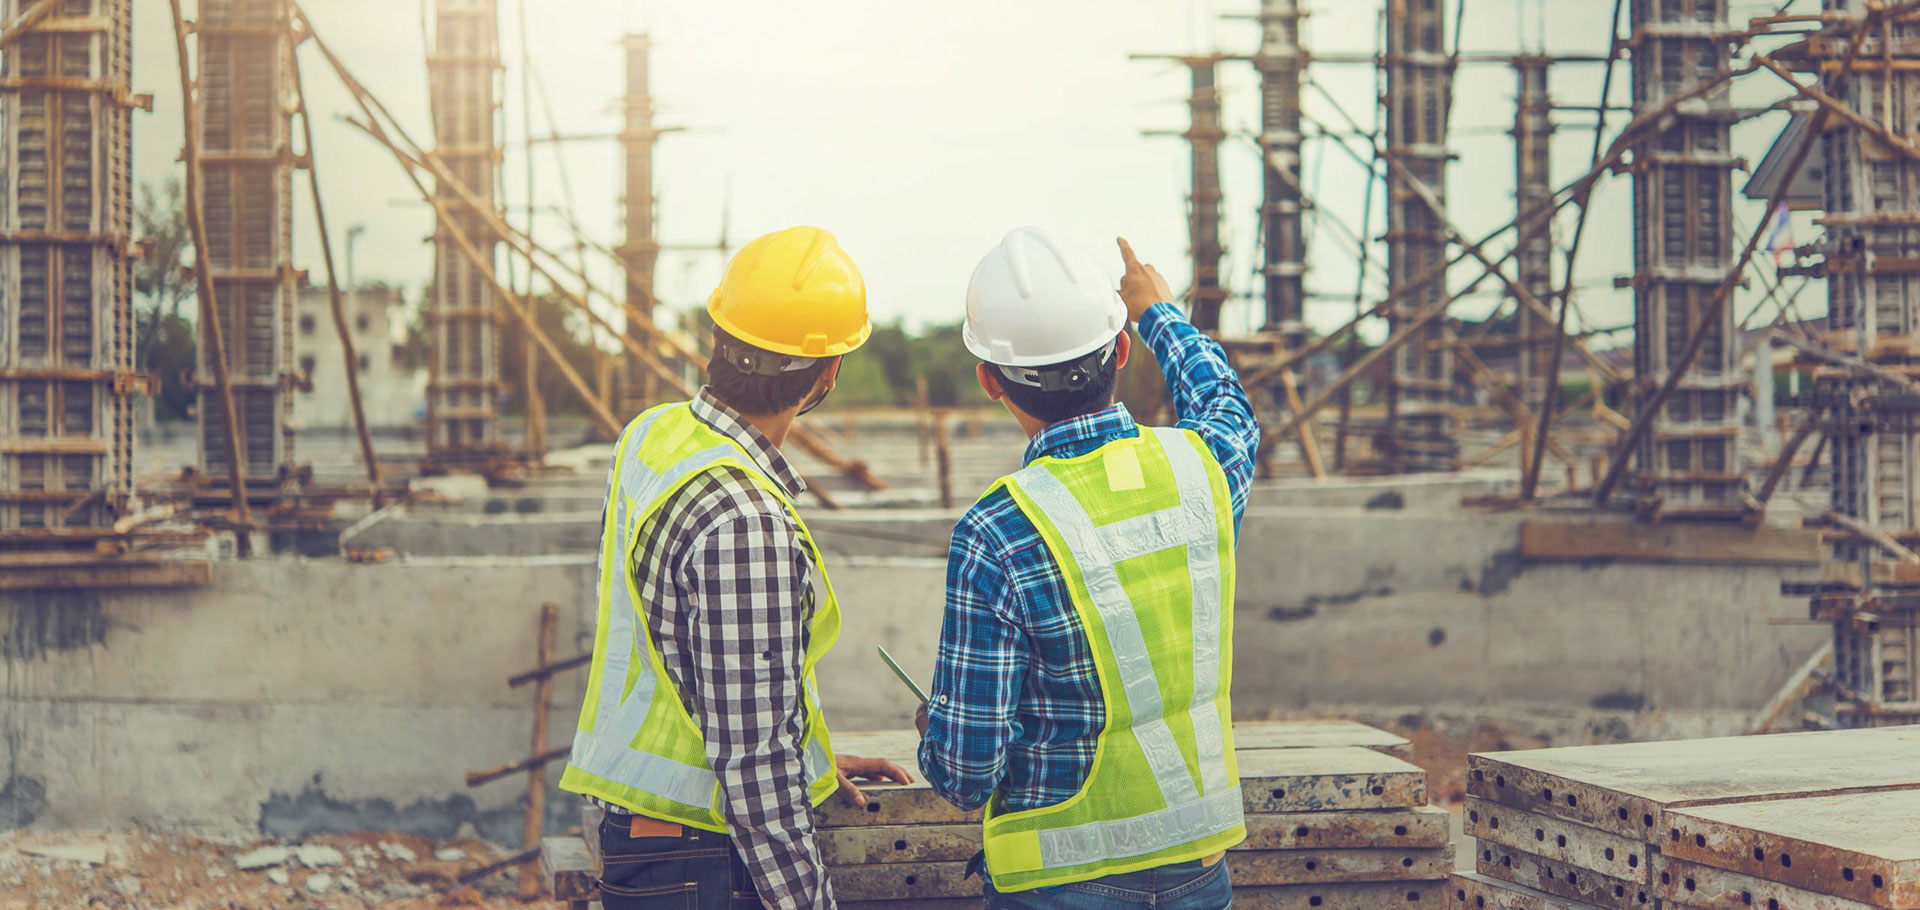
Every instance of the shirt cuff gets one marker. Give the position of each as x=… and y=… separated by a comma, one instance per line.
x=1156, y=314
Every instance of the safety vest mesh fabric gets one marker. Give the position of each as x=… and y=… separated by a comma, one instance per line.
x=636, y=745
x=1142, y=530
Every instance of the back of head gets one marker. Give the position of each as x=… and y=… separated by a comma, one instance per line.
x=1044, y=315
x=789, y=303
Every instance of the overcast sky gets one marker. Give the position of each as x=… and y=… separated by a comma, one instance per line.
x=920, y=132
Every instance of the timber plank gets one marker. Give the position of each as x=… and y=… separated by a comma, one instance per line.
x=1711, y=543
x=871, y=844
x=1625, y=789
x=1472, y=890
x=180, y=573
x=1865, y=846
x=1684, y=884
x=1560, y=879
x=1577, y=845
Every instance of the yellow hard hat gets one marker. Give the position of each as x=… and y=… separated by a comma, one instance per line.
x=793, y=292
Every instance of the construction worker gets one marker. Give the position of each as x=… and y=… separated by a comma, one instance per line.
x=701, y=733
x=1080, y=691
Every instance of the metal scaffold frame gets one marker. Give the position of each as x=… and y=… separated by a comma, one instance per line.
x=1533, y=183
x=67, y=384
x=246, y=177
x=1281, y=62
x=464, y=385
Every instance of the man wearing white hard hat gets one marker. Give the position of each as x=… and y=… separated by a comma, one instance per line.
x=1081, y=687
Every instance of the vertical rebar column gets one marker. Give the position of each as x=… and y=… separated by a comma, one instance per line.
x=464, y=385
x=1683, y=239
x=1203, y=211
x=247, y=197
x=1420, y=384
x=641, y=248
x=1872, y=205
x=1280, y=61
x=1532, y=135
x=66, y=279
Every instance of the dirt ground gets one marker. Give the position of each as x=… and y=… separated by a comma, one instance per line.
x=171, y=872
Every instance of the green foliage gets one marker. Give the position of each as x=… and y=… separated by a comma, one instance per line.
x=169, y=353
x=160, y=224
x=570, y=332
x=887, y=370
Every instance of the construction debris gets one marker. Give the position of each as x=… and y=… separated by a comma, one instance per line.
x=1821, y=821
x=1334, y=820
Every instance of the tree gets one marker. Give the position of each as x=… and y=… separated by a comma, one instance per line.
x=165, y=342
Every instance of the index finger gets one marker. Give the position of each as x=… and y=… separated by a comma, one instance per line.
x=1126, y=254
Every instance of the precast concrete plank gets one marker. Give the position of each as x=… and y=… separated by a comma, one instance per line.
x=1863, y=846
x=902, y=881
x=1375, y=896
x=1471, y=891
x=1317, y=734
x=1424, y=826
x=903, y=746
x=1684, y=884
x=1625, y=788
x=1580, y=846
x=1320, y=780
x=1561, y=879
x=899, y=844
x=566, y=865
x=1300, y=867
x=1272, y=780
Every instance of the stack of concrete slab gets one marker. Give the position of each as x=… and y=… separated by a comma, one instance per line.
x=1799, y=821
x=1337, y=819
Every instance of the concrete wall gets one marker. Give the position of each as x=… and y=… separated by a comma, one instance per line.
x=294, y=695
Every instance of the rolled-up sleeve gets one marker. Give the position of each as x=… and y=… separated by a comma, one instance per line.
x=978, y=672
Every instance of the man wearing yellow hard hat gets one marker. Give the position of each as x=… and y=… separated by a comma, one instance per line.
x=701, y=733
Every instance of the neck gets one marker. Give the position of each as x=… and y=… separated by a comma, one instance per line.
x=773, y=426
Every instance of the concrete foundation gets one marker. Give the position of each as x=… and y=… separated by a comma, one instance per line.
x=302, y=695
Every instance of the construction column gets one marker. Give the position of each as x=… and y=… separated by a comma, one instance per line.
x=1688, y=463
x=641, y=249
x=247, y=189
x=1203, y=225
x=1872, y=201
x=464, y=385
x=66, y=311
x=1280, y=62
x=1533, y=188
x=1420, y=386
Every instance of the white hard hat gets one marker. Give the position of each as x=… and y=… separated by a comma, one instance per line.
x=1039, y=299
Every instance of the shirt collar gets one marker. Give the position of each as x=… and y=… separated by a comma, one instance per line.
x=728, y=422
x=1077, y=436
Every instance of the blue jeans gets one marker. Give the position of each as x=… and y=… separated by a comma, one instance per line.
x=1182, y=886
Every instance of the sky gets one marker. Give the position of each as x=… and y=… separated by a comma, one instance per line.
x=919, y=133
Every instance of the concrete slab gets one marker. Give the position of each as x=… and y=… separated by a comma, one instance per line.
x=1561, y=879
x=1684, y=884
x=1472, y=890
x=1625, y=789
x=1863, y=846
x=1580, y=846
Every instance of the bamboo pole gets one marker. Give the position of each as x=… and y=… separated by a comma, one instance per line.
x=209, y=307
x=22, y=24
x=333, y=282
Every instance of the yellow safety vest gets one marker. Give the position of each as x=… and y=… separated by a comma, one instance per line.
x=1142, y=529
x=636, y=745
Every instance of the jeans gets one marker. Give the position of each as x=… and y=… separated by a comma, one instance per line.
x=698, y=870
x=1182, y=886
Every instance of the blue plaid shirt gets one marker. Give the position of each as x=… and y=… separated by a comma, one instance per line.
x=1016, y=701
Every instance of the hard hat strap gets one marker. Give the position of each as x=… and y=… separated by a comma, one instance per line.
x=757, y=362
x=1068, y=377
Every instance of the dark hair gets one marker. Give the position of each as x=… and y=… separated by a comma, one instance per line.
x=1053, y=407
x=754, y=395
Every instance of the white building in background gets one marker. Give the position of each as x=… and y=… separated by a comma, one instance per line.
x=376, y=318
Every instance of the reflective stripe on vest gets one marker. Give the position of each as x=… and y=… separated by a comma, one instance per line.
x=1193, y=810
x=602, y=746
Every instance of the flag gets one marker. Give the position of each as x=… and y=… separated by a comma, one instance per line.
x=1780, y=239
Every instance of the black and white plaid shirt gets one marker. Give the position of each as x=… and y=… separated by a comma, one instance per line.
x=728, y=589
